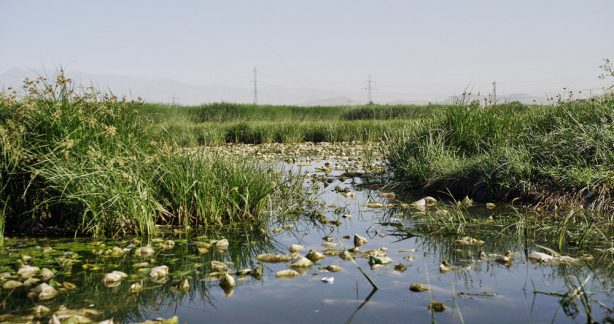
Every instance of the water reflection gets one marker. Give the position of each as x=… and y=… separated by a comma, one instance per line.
x=474, y=290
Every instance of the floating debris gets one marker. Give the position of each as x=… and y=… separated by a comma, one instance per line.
x=315, y=256
x=383, y=260
x=221, y=244
x=301, y=262
x=171, y=320
x=218, y=265
x=430, y=201
x=244, y=272
x=40, y=310
x=28, y=271
x=136, y=287
x=288, y=273
x=359, y=240
x=332, y=268
x=167, y=245
x=444, y=266
x=400, y=267
x=46, y=274
x=387, y=195
x=466, y=201
x=183, y=285
x=374, y=204
x=273, y=258
x=506, y=258
x=467, y=240
x=541, y=257
x=346, y=255
x=140, y=265
x=31, y=281
x=328, y=280
x=418, y=287
x=12, y=284
x=436, y=306
x=144, y=251
x=114, y=278
x=43, y=292
x=294, y=248
x=227, y=281
x=159, y=272
x=490, y=206
x=65, y=315
x=350, y=194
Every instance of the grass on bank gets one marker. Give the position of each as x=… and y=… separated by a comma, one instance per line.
x=558, y=154
x=235, y=112
x=215, y=124
x=259, y=132
x=88, y=163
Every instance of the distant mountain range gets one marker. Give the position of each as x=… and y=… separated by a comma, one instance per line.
x=167, y=91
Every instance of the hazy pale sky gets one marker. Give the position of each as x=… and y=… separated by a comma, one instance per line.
x=416, y=49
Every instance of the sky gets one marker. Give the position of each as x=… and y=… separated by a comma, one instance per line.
x=412, y=49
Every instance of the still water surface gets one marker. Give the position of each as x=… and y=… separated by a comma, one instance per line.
x=474, y=291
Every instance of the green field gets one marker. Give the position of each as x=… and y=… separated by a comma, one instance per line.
x=215, y=124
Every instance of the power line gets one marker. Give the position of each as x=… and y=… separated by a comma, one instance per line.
x=255, y=86
x=370, y=88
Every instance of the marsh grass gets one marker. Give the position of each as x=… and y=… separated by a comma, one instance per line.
x=234, y=112
x=554, y=155
x=215, y=124
x=89, y=163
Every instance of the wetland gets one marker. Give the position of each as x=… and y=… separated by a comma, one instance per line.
x=373, y=255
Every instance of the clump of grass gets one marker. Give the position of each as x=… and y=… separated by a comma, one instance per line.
x=513, y=151
x=85, y=161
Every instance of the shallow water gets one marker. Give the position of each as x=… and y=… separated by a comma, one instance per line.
x=474, y=291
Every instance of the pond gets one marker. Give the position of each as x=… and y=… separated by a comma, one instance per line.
x=391, y=254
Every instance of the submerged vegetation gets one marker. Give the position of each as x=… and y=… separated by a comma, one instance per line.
x=79, y=161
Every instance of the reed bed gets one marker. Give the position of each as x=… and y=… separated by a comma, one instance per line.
x=555, y=155
x=216, y=124
x=80, y=161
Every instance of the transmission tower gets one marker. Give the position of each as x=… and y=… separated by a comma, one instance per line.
x=255, y=86
x=494, y=92
x=370, y=88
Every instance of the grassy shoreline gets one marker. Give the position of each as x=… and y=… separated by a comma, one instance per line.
x=550, y=156
x=86, y=162
x=216, y=124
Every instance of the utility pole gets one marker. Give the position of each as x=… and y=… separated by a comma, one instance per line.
x=370, y=88
x=255, y=86
x=494, y=92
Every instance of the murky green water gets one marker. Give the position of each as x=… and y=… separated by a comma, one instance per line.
x=474, y=290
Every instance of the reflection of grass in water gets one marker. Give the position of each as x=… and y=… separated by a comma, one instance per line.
x=575, y=229
x=119, y=303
